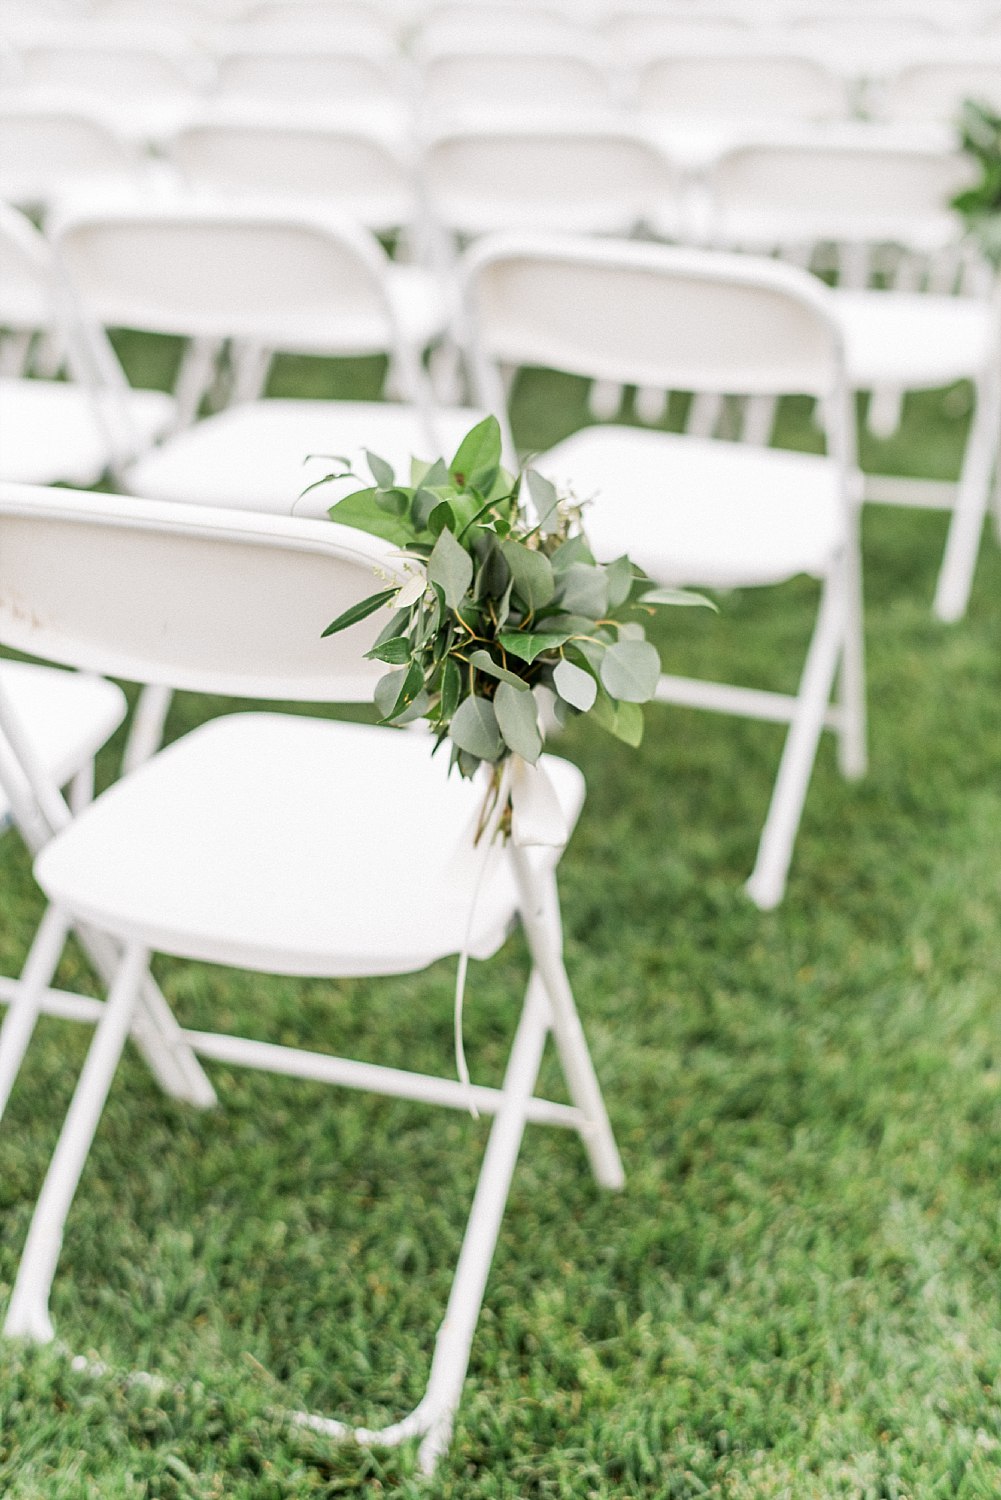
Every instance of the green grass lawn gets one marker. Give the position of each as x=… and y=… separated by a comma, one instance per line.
x=797, y=1295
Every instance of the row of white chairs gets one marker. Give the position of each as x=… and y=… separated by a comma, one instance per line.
x=779, y=82
x=630, y=27
x=172, y=858
x=293, y=282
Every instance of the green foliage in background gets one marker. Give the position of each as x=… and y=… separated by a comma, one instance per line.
x=980, y=205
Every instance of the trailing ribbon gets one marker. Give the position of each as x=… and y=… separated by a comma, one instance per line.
x=536, y=820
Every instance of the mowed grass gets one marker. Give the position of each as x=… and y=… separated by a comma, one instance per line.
x=797, y=1295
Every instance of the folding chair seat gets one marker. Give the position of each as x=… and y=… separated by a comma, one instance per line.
x=177, y=858
x=694, y=511
x=145, y=87
x=57, y=430
x=874, y=201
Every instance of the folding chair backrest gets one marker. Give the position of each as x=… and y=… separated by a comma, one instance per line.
x=587, y=181
x=500, y=82
x=328, y=74
x=649, y=315
x=45, y=151
x=741, y=86
x=935, y=91
x=350, y=169
x=109, y=71
x=455, y=27
x=213, y=601
x=849, y=193
x=283, y=280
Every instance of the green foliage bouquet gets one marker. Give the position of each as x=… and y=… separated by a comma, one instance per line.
x=980, y=205
x=500, y=601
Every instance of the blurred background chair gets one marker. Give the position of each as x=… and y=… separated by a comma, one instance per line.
x=692, y=511
x=884, y=209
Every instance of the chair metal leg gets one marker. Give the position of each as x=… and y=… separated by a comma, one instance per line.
x=19, y=1022
x=434, y=1414
x=146, y=730
x=766, y=885
x=955, y=579
x=853, y=758
x=28, y=1313
x=539, y=907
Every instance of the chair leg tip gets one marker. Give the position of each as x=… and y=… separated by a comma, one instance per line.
x=30, y=1323
x=765, y=894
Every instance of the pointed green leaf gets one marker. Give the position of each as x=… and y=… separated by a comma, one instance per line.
x=451, y=685
x=359, y=611
x=620, y=574
x=484, y=662
x=394, y=651
x=518, y=722
x=361, y=511
x=381, y=471
x=527, y=645
x=387, y=691
x=630, y=670
x=624, y=720
x=474, y=729
x=478, y=456
x=674, y=596
x=574, y=685
x=584, y=591
x=451, y=567
x=442, y=517
x=574, y=549
x=545, y=499
x=532, y=573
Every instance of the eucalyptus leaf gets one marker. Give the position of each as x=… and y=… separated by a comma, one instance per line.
x=474, y=729
x=382, y=472
x=623, y=720
x=574, y=549
x=478, y=456
x=441, y=518
x=394, y=651
x=630, y=671
x=675, y=596
x=415, y=710
x=527, y=645
x=584, y=591
x=620, y=575
x=361, y=511
x=359, y=611
x=518, y=721
x=484, y=662
x=451, y=567
x=532, y=573
x=545, y=498
x=451, y=686
x=387, y=691
x=574, y=685
x=395, y=502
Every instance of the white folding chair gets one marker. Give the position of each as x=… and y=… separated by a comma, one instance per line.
x=739, y=88
x=339, y=168
x=48, y=151
x=453, y=26
x=513, y=83
x=933, y=90
x=689, y=510
x=51, y=430
x=866, y=198
x=587, y=179
x=268, y=279
x=177, y=858
x=292, y=71
x=272, y=280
